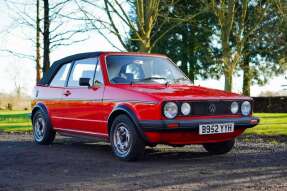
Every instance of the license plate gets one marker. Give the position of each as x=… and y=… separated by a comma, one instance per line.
x=216, y=128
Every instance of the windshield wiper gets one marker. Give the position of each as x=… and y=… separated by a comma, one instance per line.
x=180, y=79
x=152, y=78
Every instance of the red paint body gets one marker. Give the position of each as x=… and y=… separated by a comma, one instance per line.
x=87, y=110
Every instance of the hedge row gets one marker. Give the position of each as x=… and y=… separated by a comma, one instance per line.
x=270, y=104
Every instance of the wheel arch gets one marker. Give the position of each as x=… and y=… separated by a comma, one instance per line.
x=123, y=109
x=37, y=107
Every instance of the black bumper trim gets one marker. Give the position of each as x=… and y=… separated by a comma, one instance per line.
x=193, y=125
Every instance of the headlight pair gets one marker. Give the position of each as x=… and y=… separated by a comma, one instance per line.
x=170, y=109
x=245, y=108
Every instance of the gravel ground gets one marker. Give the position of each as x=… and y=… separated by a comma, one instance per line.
x=71, y=164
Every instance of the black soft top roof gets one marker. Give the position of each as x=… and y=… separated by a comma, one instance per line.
x=56, y=65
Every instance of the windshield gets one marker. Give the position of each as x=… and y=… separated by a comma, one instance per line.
x=129, y=69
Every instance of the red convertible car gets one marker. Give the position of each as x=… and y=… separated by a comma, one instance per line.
x=132, y=100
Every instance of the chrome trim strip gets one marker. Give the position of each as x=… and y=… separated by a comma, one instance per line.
x=70, y=99
x=100, y=100
x=77, y=119
x=131, y=101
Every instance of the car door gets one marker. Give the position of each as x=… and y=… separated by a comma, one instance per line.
x=83, y=104
x=51, y=95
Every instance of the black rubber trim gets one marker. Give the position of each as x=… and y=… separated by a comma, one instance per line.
x=57, y=65
x=193, y=125
x=40, y=106
x=133, y=117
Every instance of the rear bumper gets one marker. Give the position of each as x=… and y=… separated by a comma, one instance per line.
x=193, y=125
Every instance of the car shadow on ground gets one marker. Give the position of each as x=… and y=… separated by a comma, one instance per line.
x=72, y=163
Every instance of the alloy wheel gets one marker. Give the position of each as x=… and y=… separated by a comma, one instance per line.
x=39, y=129
x=122, y=139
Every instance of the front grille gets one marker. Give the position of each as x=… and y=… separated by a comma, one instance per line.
x=211, y=107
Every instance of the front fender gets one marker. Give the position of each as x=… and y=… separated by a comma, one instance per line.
x=39, y=106
x=124, y=109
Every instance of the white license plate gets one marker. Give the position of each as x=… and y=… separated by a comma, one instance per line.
x=216, y=128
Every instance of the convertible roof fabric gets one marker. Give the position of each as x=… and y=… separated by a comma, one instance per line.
x=56, y=65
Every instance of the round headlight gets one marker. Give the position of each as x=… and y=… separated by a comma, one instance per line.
x=170, y=110
x=185, y=108
x=246, y=108
x=234, y=107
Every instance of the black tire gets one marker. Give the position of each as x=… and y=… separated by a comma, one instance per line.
x=43, y=132
x=130, y=146
x=219, y=148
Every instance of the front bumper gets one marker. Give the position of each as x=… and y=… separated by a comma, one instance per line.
x=193, y=125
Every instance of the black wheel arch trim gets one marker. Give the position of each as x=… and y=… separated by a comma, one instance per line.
x=126, y=110
x=39, y=106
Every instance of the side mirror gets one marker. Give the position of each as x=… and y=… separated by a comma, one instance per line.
x=85, y=82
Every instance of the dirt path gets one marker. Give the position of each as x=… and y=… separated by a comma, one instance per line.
x=70, y=164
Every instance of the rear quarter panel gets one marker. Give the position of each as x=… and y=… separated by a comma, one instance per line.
x=51, y=98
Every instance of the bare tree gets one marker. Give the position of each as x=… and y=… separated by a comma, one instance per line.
x=58, y=30
x=38, y=46
x=55, y=30
x=281, y=6
x=46, y=37
x=119, y=22
x=232, y=20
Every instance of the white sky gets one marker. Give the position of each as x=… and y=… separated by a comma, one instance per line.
x=22, y=71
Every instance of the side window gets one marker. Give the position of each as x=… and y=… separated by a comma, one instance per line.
x=82, y=69
x=61, y=76
x=99, y=75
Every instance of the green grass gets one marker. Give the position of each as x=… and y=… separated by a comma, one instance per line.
x=15, y=121
x=8, y=112
x=271, y=124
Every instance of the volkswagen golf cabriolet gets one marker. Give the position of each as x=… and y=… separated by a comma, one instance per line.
x=133, y=100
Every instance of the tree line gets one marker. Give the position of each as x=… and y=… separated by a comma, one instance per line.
x=206, y=38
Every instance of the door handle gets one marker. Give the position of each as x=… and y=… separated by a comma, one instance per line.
x=67, y=93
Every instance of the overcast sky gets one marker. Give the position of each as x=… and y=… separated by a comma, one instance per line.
x=22, y=71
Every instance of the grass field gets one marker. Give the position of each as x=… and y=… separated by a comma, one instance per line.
x=272, y=124
x=15, y=121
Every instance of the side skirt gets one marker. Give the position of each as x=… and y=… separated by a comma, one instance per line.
x=82, y=134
